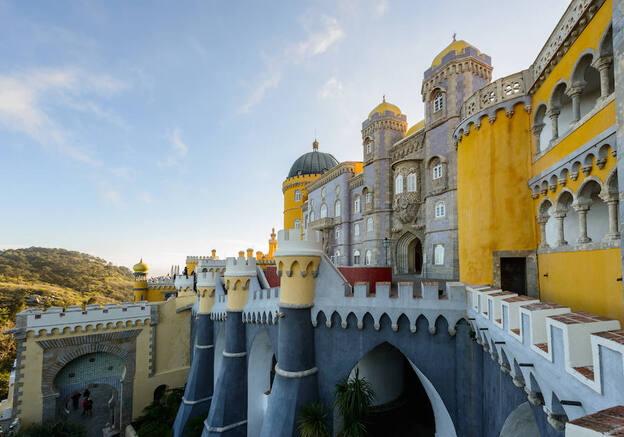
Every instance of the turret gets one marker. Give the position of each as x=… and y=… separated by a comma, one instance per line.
x=140, y=281
x=295, y=382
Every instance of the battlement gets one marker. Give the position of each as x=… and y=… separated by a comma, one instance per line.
x=262, y=306
x=182, y=282
x=161, y=281
x=74, y=318
x=290, y=243
x=197, y=259
x=208, y=279
x=564, y=359
x=240, y=266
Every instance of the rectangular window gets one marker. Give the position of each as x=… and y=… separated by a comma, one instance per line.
x=437, y=171
x=297, y=224
x=356, y=229
x=438, y=254
x=297, y=195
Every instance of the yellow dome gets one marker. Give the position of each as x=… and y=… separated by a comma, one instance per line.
x=383, y=107
x=418, y=126
x=140, y=267
x=455, y=46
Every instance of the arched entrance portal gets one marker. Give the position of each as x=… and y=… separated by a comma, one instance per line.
x=100, y=375
x=260, y=375
x=401, y=406
x=409, y=254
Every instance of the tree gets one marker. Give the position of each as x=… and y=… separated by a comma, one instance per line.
x=313, y=420
x=353, y=397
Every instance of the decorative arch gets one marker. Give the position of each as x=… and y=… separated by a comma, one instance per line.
x=409, y=253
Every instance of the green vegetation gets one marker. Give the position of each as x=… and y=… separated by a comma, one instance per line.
x=42, y=277
x=313, y=420
x=58, y=429
x=353, y=397
x=158, y=417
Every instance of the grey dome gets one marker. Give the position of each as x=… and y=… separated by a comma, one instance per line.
x=314, y=162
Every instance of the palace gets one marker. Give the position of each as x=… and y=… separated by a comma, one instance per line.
x=469, y=267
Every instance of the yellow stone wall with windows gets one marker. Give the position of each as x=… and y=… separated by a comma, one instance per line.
x=292, y=207
x=584, y=276
x=494, y=204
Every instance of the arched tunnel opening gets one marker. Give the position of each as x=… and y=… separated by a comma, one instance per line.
x=401, y=406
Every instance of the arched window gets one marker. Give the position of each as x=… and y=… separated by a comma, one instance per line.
x=411, y=182
x=356, y=204
x=337, y=209
x=369, y=224
x=297, y=195
x=323, y=211
x=312, y=216
x=440, y=209
x=356, y=257
x=438, y=255
x=438, y=102
x=356, y=229
x=369, y=198
x=297, y=224
x=437, y=171
x=337, y=255
x=398, y=184
x=323, y=192
x=369, y=146
x=368, y=258
x=338, y=234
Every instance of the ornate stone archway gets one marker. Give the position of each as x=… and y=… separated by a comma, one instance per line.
x=57, y=353
x=406, y=247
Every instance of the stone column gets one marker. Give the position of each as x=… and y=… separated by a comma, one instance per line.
x=295, y=381
x=199, y=386
x=574, y=93
x=542, y=220
x=553, y=114
x=582, y=209
x=537, y=131
x=612, y=203
x=560, y=216
x=617, y=23
x=602, y=64
x=228, y=410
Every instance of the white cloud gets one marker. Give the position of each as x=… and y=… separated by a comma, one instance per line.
x=330, y=89
x=315, y=44
x=178, y=149
x=319, y=42
x=271, y=81
x=23, y=97
x=381, y=7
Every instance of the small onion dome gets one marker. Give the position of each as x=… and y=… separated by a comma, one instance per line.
x=140, y=267
x=415, y=128
x=455, y=46
x=313, y=162
x=383, y=107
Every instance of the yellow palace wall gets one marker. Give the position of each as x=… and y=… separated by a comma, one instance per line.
x=583, y=280
x=494, y=202
x=292, y=208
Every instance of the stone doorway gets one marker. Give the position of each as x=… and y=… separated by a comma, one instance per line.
x=409, y=254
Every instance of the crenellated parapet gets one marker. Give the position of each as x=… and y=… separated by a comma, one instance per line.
x=184, y=282
x=569, y=362
x=333, y=294
x=297, y=263
x=75, y=319
x=238, y=274
x=262, y=306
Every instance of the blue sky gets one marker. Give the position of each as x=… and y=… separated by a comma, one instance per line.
x=161, y=129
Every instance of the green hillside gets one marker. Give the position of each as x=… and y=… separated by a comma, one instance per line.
x=42, y=277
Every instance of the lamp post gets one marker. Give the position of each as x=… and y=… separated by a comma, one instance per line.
x=386, y=243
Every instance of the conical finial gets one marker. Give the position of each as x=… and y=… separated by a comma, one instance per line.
x=315, y=145
x=384, y=98
x=454, y=36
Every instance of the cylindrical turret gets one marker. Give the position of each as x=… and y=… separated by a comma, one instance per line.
x=140, y=281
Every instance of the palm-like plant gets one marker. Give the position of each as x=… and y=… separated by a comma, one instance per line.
x=353, y=397
x=313, y=420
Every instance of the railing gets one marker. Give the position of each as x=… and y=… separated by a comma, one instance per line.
x=501, y=90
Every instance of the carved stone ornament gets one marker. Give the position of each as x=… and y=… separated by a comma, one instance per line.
x=406, y=207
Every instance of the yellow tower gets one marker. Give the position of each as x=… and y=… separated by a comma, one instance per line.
x=307, y=168
x=140, y=281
